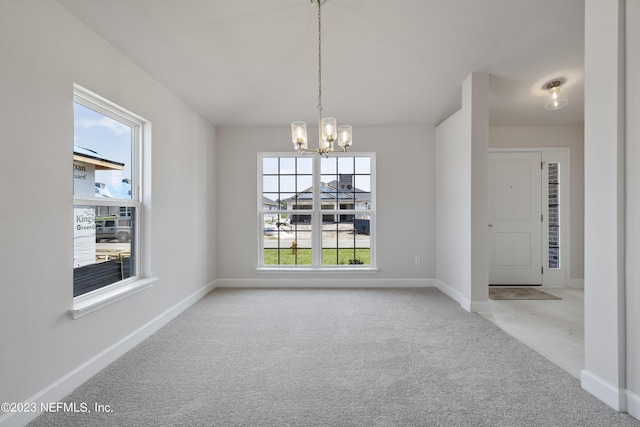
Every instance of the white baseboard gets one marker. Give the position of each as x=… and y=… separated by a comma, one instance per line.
x=476, y=306
x=452, y=293
x=605, y=391
x=329, y=282
x=60, y=388
x=470, y=306
x=633, y=405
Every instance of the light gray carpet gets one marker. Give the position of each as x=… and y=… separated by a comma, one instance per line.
x=341, y=357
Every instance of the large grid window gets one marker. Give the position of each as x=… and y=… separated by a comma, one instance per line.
x=106, y=193
x=316, y=211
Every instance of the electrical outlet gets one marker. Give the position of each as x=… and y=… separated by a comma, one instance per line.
x=417, y=260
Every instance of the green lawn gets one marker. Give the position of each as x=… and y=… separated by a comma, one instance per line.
x=340, y=256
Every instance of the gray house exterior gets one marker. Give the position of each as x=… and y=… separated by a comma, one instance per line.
x=335, y=195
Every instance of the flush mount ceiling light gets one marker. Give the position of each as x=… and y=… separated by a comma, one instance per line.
x=557, y=97
x=328, y=131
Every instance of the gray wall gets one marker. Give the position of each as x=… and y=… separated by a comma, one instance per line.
x=611, y=276
x=633, y=205
x=462, y=198
x=453, y=209
x=45, y=50
x=405, y=166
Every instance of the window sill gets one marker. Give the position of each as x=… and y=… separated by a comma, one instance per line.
x=317, y=269
x=92, y=301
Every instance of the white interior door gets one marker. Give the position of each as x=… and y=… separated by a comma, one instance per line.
x=515, y=219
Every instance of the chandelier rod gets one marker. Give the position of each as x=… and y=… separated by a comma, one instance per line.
x=319, y=56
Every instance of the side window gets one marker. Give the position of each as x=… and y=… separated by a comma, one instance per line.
x=106, y=175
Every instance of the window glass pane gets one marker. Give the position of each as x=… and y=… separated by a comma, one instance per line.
x=270, y=201
x=362, y=183
x=270, y=183
x=329, y=165
x=287, y=198
x=363, y=165
x=101, y=155
x=345, y=183
x=329, y=179
x=305, y=182
x=270, y=165
x=345, y=165
x=304, y=198
x=346, y=242
x=104, y=242
x=287, y=165
x=305, y=165
x=300, y=218
x=328, y=195
x=286, y=242
x=288, y=183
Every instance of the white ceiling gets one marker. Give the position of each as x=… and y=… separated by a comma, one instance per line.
x=384, y=62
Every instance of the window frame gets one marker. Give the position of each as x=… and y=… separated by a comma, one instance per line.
x=95, y=299
x=316, y=213
x=562, y=156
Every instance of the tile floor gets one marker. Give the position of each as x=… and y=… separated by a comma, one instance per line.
x=554, y=328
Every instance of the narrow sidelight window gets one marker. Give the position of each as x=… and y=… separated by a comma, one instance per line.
x=554, y=215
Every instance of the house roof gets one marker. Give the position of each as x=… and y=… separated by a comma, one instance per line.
x=268, y=201
x=86, y=155
x=331, y=191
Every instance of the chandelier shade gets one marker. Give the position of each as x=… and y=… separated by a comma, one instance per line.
x=328, y=133
x=344, y=134
x=328, y=129
x=299, y=135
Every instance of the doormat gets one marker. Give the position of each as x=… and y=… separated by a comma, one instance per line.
x=519, y=293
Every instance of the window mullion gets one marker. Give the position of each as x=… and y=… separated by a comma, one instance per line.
x=317, y=215
x=105, y=202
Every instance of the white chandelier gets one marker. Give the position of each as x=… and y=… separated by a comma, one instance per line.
x=328, y=131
